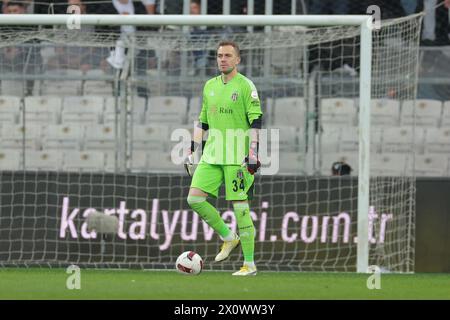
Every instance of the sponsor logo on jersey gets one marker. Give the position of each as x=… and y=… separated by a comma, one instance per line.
x=254, y=94
x=225, y=110
x=213, y=110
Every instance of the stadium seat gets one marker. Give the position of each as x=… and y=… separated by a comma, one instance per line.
x=82, y=109
x=10, y=159
x=385, y=113
x=338, y=112
x=167, y=109
x=195, y=106
x=111, y=163
x=293, y=163
x=290, y=112
x=351, y=158
x=138, y=106
x=437, y=140
x=67, y=83
x=267, y=107
x=100, y=137
x=349, y=139
x=431, y=165
x=46, y=160
x=97, y=87
x=83, y=161
x=63, y=136
x=403, y=140
x=391, y=164
x=446, y=115
x=427, y=113
x=162, y=162
x=138, y=161
x=16, y=88
x=150, y=137
x=288, y=138
x=330, y=139
x=9, y=109
x=42, y=109
x=13, y=136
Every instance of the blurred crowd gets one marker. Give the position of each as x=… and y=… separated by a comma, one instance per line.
x=435, y=26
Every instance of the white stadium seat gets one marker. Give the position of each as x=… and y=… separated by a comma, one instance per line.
x=111, y=163
x=100, y=137
x=427, y=113
x=14, y=135
x=46, y=160
x=385, y=113
x=82, y=109
x=338, y=112
x=291, y=163
x=267, y=109
x=67, y=82
x=330, y=139
x=138, y=161
x=138, y=106
x=97, y=87
x=431, y=165
x=63, y=136
x=162, y=162
x=83, y=161
x=403, y=140
x=288, y=138
x=290, y=112
x=349, y=139
x=43, y=109
x=437, y=140
x=10, y=159
x=9, y=109
x=391, y=164
x=166, y=109
x=150, y=137
x=18, y=88
x=195, y=106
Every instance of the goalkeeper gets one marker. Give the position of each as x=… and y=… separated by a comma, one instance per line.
x=231, y=111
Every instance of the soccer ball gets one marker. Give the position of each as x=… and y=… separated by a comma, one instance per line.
x=189, y=263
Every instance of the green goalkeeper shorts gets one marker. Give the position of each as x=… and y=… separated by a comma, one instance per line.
x=238, y=181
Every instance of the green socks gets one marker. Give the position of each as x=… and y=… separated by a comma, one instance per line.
x=246, y=230
x=208, y=213
x=244, y=221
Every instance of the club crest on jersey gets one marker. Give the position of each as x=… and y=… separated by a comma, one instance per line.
x=234, y=96
x=240, y=174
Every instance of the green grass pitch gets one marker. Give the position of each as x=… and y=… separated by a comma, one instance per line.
x=168, y=285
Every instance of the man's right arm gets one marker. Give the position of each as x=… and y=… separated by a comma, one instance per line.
x=199, y=130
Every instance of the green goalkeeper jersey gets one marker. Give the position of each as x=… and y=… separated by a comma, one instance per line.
x=229, y=110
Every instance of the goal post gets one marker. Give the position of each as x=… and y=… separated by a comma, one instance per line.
x=362, y=23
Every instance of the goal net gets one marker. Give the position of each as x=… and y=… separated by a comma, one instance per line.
x=92, y=120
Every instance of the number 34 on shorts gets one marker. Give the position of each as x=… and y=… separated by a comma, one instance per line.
x=238, y=183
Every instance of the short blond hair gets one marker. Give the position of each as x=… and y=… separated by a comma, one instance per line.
x=230, y=43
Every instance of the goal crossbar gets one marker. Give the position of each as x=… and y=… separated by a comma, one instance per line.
x=183, y=20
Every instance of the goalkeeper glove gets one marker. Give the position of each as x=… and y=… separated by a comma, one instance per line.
x=189, y=162
x=251, y=161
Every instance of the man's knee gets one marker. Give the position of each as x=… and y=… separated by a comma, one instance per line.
x=194, y=201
